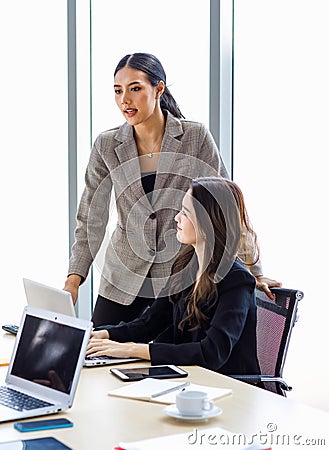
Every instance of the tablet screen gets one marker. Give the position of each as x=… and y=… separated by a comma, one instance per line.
x=138, y=373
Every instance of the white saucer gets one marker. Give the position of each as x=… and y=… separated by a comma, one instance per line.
x=172, y=411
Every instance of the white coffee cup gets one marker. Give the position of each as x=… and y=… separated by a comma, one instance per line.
x=193, y=403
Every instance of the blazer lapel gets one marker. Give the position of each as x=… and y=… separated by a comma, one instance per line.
x=129, y=167
x=170, y=150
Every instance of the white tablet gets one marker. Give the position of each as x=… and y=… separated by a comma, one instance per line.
x=139, y=373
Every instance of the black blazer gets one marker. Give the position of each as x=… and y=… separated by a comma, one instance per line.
x=226, y=344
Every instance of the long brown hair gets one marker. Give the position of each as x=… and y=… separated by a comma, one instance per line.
x=223, y=222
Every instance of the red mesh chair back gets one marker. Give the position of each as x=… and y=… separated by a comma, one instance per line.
x=275, y=321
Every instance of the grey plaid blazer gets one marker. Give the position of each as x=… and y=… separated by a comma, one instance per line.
x=144, y=240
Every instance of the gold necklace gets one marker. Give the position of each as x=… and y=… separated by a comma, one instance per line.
x=150, y=154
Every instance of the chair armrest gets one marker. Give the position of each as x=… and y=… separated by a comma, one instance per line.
x=257, y=379
x=252, y=379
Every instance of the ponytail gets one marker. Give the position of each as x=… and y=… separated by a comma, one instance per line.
x=168, y=102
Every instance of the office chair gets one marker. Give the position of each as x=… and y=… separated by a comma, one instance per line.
x=275, y=321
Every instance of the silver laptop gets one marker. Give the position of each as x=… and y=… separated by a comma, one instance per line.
x=45, y=365
x=46, y=297
x=107, y=360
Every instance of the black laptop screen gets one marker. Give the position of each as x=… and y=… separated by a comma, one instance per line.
x=48, y=353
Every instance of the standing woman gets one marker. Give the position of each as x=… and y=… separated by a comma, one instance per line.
x=149, y=163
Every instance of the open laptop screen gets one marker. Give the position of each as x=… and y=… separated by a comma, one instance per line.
x=48, y=353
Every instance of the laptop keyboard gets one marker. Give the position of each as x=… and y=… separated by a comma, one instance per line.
x=19, y=401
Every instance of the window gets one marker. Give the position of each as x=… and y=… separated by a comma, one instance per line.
x=281, y=99
x=33, y=182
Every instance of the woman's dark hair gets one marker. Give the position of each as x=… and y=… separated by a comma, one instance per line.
x=223, y=224
x=150, y=65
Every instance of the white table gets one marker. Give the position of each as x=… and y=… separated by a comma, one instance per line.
x=101, y=421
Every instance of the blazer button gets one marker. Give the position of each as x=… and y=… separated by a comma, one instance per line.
x=152, y=216
x=151, y=252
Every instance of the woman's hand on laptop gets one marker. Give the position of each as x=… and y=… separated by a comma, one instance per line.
x=72, y=284
x=100, y=334
x=106, y=347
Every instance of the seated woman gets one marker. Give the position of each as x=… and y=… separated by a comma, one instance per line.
x=206, y=315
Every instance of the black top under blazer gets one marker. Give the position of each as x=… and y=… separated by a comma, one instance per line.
x=226, y=344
